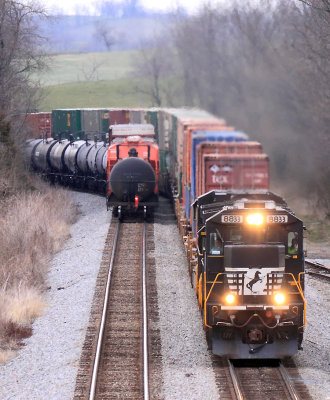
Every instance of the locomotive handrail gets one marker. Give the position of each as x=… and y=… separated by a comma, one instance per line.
x=301, y=294
x=208, y=296
x=296, y=283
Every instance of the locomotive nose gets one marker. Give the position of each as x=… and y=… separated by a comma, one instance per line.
x=132, y=177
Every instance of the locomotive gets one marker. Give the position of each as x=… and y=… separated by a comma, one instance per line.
x=250, y=274
x=132, y=169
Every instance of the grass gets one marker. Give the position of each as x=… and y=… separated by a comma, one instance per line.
x=34, y=225
x=318, y=230
x=69, y=68
x=117, y=93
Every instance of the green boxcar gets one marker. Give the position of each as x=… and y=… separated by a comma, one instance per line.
x=174, y=137
x=67, y=122
x=164, y=168
x=152, y=118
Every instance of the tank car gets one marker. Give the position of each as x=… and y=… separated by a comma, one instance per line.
x=250, y=274
x=132, y=169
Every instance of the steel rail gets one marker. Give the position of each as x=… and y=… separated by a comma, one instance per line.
x=320, y=270
x=145, y=318
x=235, y=380
x=103, y=320
x=288, y=384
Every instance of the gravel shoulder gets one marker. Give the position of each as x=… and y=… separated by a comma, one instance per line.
x=186, y=363
x=47, y=365
x=313, y=361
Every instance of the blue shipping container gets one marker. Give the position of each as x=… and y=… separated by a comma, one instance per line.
x=209, y=136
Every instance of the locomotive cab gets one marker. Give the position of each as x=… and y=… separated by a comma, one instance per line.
x=250, y=276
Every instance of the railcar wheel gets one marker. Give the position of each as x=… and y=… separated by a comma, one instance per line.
x=119, y=213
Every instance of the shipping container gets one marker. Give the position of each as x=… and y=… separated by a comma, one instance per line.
x=165, y=129
x=38, y=125
x=205, y=148
x=164, y=177
x=209, y=136
x=214, y=124
x=118, y=116
x=151, y=117
x=94, y=120
x=234, y=171
x=66, y=122
x=137, y=116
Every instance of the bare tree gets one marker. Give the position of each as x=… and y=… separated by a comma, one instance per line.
x=154, y=68
x=105, y=34
x=20, y=57
x=20, y=54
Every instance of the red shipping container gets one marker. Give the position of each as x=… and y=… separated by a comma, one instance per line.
x=118, y=116
x=39, y=125
x=234, y=171
x=222, y=148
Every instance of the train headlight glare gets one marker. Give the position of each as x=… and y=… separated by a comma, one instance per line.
x=279, y=298
x=255, y=219
x=230, y=298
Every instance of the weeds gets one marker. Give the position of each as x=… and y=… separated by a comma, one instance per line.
x=33, y=227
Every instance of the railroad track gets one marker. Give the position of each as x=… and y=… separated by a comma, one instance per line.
x=258, y=380
x=115, y=358
x=121, y=362
x=266, y=382
x=317, y=269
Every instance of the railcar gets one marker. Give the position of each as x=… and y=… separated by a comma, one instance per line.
x=77, y=163
x=132, y=169
x=250, y=274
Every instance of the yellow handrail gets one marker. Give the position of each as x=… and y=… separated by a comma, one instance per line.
x=208, y=296
x=301, y=294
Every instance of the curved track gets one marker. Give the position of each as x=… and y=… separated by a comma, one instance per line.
x=318, y=270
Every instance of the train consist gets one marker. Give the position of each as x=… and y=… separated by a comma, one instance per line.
x=244, y=245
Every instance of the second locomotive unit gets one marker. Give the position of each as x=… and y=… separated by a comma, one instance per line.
x=132, y=169
x=250, y=274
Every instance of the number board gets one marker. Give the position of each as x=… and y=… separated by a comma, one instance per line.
x=232, y=219
x=277, y=219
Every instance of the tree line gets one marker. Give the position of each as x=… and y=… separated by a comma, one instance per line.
x=265, y=68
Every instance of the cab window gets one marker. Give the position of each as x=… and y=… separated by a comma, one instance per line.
x=216, y=244
x=292, y=242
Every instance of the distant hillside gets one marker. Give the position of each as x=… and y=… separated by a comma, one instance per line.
x=79, y=33
x=87, y=67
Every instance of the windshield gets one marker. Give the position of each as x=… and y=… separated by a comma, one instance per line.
x=252, y=256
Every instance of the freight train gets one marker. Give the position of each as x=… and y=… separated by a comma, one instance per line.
x=244, y=245
x=127, y=169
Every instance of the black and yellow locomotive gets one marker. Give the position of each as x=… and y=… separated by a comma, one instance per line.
x=250, y=274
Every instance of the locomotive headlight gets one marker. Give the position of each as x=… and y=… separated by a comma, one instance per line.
x=255, y=219
x=230, y=298
x=279, y=298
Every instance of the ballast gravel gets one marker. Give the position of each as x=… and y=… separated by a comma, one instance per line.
x=186, y=363
x=47, y=365
x=314, y=360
